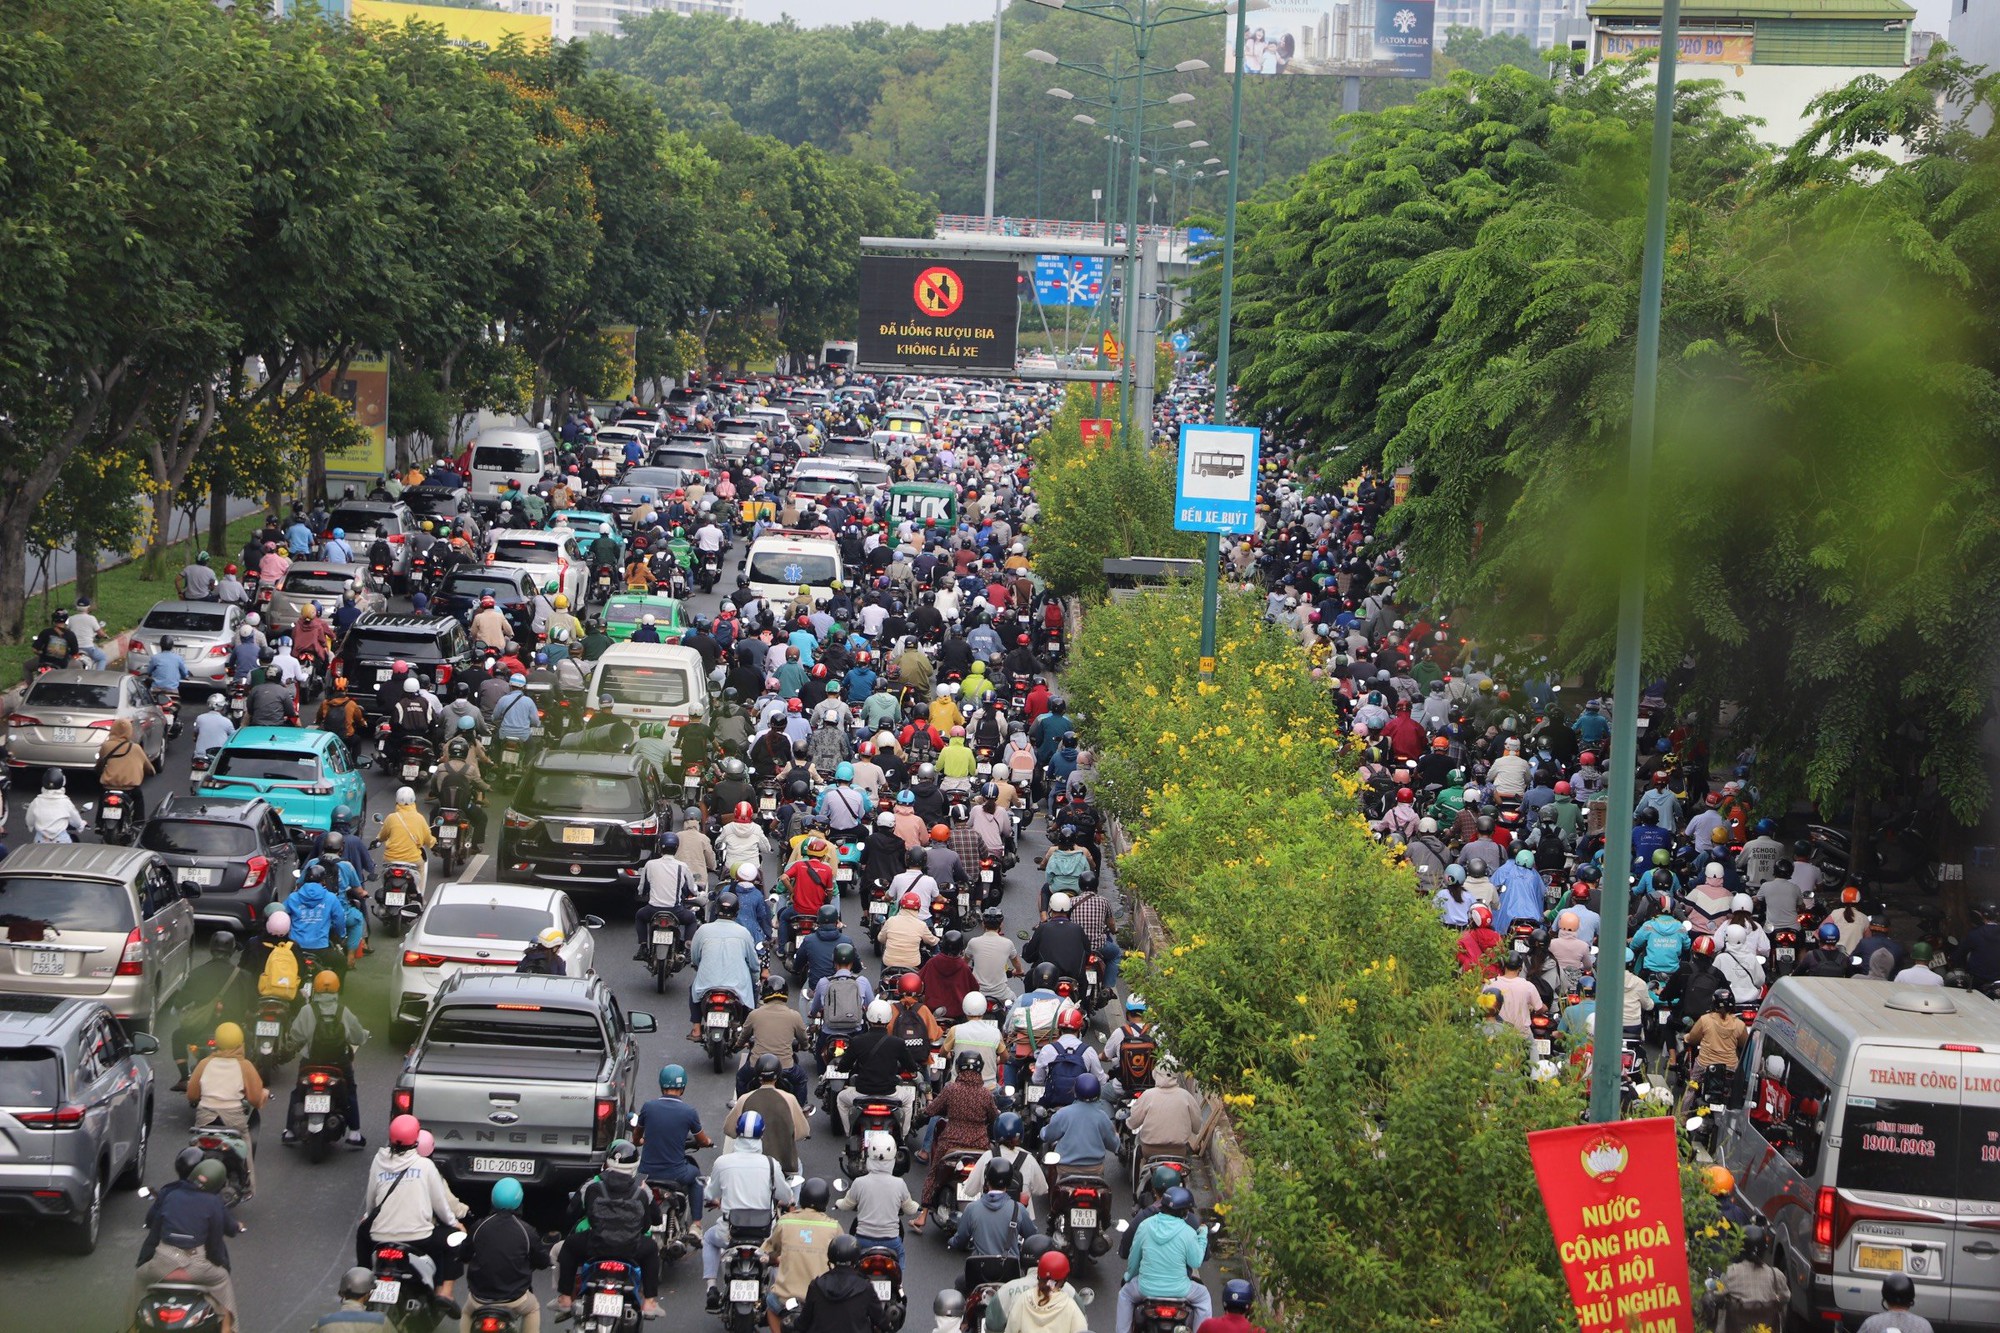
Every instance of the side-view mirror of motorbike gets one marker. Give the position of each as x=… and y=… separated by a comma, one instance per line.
x=378, y=819
x=840, y=1184
x=1051, y=1159
x=1021, y=934
x=86, y=807
x=144, y=1191
x=1693, y=1125
x=1085, y=1295
x=641, y=1023
x=454, y=1240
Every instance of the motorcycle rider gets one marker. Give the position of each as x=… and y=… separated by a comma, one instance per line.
x=1899, y=1294
x=122, y=766
x=724, y=956
x=503, y=1254
x=1826, y=958
x=406, y=835
x=668, y=1126
x=1238, y=1295
x=326, y=1032
x=840, y=1300
x=784, y=1119
x=1082, y=1133
x=995, y=1225
x=186, y=1235
x=879, y=1200
x=1754, y=1292
x=1716, y=1041
x=226, y=1089
x=1167, y=1254
x=875, y=1060
x=52, y=816
x=407, y=1204
x=747, y=1188
x=356, y=1285
x=669, y=887
x=799, y=1247
x=612, y=1217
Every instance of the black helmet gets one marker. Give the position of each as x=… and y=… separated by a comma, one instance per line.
x=814, y=1194
x=767, y=1072
x=1476, y=867
x=726, y=906
x=1756, y=1242
x=1484, y=823
x=828, y=915
x=53, y=779
x=1043, y=977
x=845, y=955
x=1725, y=998
x=1898, y=1292
x=1034, y=1247
x=1178, y=1201
x=187, y=1160
x=458, y=749
x=953, y=942
x=969, y=1060
x=843, y=1251
x=1000, y=1175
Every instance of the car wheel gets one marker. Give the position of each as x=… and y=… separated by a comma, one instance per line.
x=135, y=1170
x=80, y=1236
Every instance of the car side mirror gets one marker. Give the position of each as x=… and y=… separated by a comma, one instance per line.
x=593, y=923
x=641, y=1022
x=144, y=1043
x=190, y=889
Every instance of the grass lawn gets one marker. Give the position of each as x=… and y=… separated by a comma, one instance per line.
x=123, y=596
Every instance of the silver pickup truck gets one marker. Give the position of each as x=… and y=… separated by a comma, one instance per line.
x=523, y=1076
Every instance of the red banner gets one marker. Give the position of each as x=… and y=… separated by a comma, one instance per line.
x=1096, y=430
x=1613, y=1195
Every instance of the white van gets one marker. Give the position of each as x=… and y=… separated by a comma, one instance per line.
x=782, y=559
x=1868, y=1133
x=650, y=682
x=509, y=453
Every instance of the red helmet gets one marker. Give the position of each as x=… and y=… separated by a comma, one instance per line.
x=1053, y=1267
x=1481, y=915
x=486, y=601
x=743, y=814
x=1070, y=1020
x=940, y=833
x=909, y=985
x=1704, y=945
x=865, y=749
x=1021, y=639
x=1587, y=758
x=1440, y=742
x=1660, y=779
x=403, y=1131
x=911, y=902
x=864, y=658
x=795, y=705
x=819, y=671
x=1562, y=789
x=1404, y=795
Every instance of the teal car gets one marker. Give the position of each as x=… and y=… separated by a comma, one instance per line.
x=302, y=771
x=621, y=615
x=589, y=523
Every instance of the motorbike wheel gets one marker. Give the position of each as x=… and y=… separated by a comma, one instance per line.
x=660, y=970
x=315, y=1147
x=717, y=1056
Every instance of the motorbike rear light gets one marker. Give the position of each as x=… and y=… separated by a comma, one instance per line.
x=603, y=1119
x=63, y=1117
x=402, y=1101
x=884, y=1264
x=720, y=1000
x=132, y=962
x=170, y=1314
x=490, y=1324
x=610, y=1266
x=389, y=1254
x=112, y=797
x=318, y=1080
x=255, y=870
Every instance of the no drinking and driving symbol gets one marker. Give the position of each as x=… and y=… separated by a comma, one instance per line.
x=939, y=291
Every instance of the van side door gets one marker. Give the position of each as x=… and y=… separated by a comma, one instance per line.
x=1975, y=1287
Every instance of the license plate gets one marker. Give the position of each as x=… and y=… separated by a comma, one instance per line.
x=394, y=899
x=65, y=735
x=745, y=1291
x=882, y=1289
x=715, y=1018
x=1784, y=955
x=1090, y=978
x=1879, y=1258
x=1541, y=1046
x=1083, y=1217
x=46, y=963
x=504, y=1166
x=1035, y=1091
x=937, y=1061
x=985, y=876
x=579, y=835
x=382, y=674
x=409, y=770
x=318, y=1103
x=113, y=813
x=607, y=1304
x=203, y=875
x=768, y=804
x=878, y=909
x=844, y=875
x=267, y=1028
x=449, y=833
x=663, y=939
x=387, y=1292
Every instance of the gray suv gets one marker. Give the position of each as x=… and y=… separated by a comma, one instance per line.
x=76, y=1111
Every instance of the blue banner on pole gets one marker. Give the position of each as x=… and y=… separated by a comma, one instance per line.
x=1216, y=484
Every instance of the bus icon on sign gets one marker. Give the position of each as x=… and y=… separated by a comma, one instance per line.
x=1217, y=465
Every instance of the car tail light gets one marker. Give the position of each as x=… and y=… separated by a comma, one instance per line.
x=254, y=872
x=411, y=958
x=444, y=673
x=103, y=724
x=319, y=789
x=646, y=828
x=23, y=720
x=396, y=539
x=603, y=1120
x=1827, y=1226
x=218, y=650
x=63, y=1117
x=132, y=963
x=514, y=820
x=401, y=1102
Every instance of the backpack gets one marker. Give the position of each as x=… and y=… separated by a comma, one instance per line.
x=842, y=1010
x=1063, y=1072
x=280, y=978
x=329, y=1039
x=1137, y=1055
x=617, y=1219
x=921, y=748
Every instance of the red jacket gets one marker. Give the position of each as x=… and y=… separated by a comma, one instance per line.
x=947, y=981
x=810, y=879
x=1474, y=945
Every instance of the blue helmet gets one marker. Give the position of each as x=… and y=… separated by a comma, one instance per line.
x=1087, y=1087
x=507, y=1194
x=1238, y=1296
x=1829, y=933
x=670, y=843
x=1008, y=1127
x=750, y=1125
x=843, y=773
x=673, y=1076
x=342, y=533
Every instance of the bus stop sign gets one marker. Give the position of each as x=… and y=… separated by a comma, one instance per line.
x=1216, y=487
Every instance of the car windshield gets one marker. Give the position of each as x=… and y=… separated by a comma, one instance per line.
x=502, y=458
x=525, y=552
x=197, y=837
x=741, y=428
x=850, y=448
x=30, y=1076
x=360, y=523
x=820, y=485
x=72, y=694
x=630, y=613
x=1932, y=1149
x=661, y=478
x=309, y=580
x=607, y=794
x=481, y=585
x=793, y=567
x=692, y=459
x=186, y=622
x=267, y=765
x=378, y=645
x=653, y=687
x=503, y=923
x=524, y=1025
x=31, y=905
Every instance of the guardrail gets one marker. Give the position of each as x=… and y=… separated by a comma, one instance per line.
x=1052, y=229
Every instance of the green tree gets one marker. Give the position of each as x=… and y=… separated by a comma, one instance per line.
x=1477, y=53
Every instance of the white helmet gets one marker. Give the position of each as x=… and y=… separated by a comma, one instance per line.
x=746, y=872
x=973, y=1005
x=551, y=936
x=1059, y=902
x=879, y=1151
x=881, y=1013
x=1742, y=902
x=1774, y=1066
x=406, y=796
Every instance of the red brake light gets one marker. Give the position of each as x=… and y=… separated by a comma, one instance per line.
x=256, y=868
x=444, y=673
x=103, y=724
x=402, y=1100
x=518, y=821
x=611, y=1265
x=392, y=1255
x=218, y=650
x=132, y=963
x=1960, y=1046
x=317, y=1079
x=411, y=958
x=490, y=1324
x=1826, y=1225
x=604, y=1118
x=396, y=539
x=63, y=1117
x=170, y=1314
x=23, y=720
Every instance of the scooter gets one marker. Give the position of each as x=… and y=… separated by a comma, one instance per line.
x=176, y=1307
x=318, y=1120
x=267, y=1035
x=401, y=902
x=231, y=1147
x=608, y=1296
x=415, y=760
x=721, y=1027
x=405, y=1284
x=1076, y=1211
x=884, y=1273
x=958, y=1167
x=872, y=1115
x=453, y=829
x=114, y=824
x=743, y=1279
x=666, y=952
x=834, y=1081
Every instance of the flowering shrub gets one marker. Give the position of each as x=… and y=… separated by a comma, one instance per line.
x=1099, y=501
x=1309, y=986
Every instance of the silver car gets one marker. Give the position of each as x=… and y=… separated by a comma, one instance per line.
x=66, y=715
x=76, y=1112
x=322, y=582
x=203, y=633
x=359, y=519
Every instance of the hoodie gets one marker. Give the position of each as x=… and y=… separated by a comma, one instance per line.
x=121, y=761
x=995, y=1225
x=842, y=1301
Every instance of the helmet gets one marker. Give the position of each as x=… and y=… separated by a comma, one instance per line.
x=403, y=1131
x=1828, y=933
x=727, y=905
x=1718, y=1180
x=356, y=1284
x=1481, y=915
x=880, y=1012
x=1898, y=1291
x=1053, y=1267
x=1725, y=998
x=1178, y=1201
x=1059, y=903
x=1043, y=976
x=948, y=1304
x=768, y=1068
x=228, y=1036
x=843, y=1251
x=845, y=955
x=326, y=983
x=1850, y=895
x=828, y=915
x=1070, y=1020
x=561, y=602
x=969, y=1060
x=507, y=1194
x=53, y=780
x=940, y=833
x=1087, y=1087
x=887, y=819
x=1238, y=1296
x=187, y=1160
x=673, y=1076
x=749, y=1125
x=952, y=942
x=973, y=1005
x=1757, y=1243
x=1000, y=1175
x=911, y=902
x=1705, y=945
x=551, y=937
x=814, y=1193
x=743, y=813
x=909, y=986
x=278, y=924
x=210, y=1176
x=843, y=772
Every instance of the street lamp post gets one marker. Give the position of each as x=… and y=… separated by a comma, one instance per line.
x=993, y=110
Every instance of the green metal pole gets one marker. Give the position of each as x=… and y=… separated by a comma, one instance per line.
x=1605, y=1058
x=1128, y=301
x=1211, y=563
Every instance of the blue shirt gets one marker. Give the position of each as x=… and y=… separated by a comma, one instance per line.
x=1521, y=895
x=665, y=1124
x=166, y=671
x=515, y=715
x=338, y=552
x=1165, y=1251
x=299, y=538
x=315, y=915
x=806, y=643
x=1083, y=1132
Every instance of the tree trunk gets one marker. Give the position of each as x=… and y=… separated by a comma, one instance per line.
x=163, y=531
x=86, y=568
x=218, y=519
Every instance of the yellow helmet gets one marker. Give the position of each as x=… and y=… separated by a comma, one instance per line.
x=228, y=1036
x=308, y=611
x=561, y=602
x=326, y=983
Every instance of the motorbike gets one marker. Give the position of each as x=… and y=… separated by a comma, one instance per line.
x=985, y=1274
x=405, y=1285
x=453, y=829
x=1784, y=949
x=401, y=902
x=1161, y=1315
x=666, y=951
x=114, y=823
x=176, y=1307
x=231, y=1147
x=834, y=1081
x=169, y=703
x=267, y=1035
x=882, y=1271
x=721, y=1026
x=872, y=1115
x=672, y=1233
x=958, y=1167
x=319, y=1120
x=992, y=881
x=415, y=760
x=608, y=1296
x=1076, y=1211
x=1542, y=1032
x=1094, y=992
x=743, y=1279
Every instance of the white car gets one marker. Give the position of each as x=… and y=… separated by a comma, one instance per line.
x=485, y=926
x=548, y=553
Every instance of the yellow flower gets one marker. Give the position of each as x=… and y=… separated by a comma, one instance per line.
x=1301, y=998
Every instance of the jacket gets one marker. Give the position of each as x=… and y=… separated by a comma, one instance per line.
x=725, y=958
x=842, y=1301
x=798, y=1244
x=121, y=761
x=1165, y=1250
x=318, y=915
x=994, y=1225
x=503, y=1253
x=406, y=1196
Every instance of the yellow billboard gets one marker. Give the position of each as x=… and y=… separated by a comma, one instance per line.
x=365, y=390
x=473, y=27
